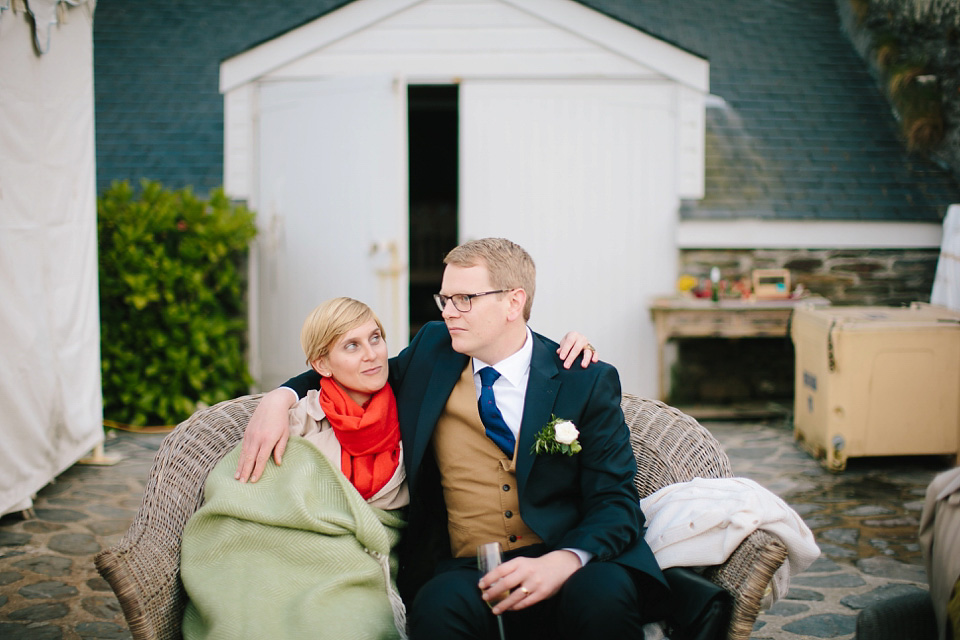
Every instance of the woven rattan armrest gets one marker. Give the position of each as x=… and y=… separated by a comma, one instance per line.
x=746, y=575
x=143, y=568
x=672, y=447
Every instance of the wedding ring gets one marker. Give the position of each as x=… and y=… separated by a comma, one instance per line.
x=591, y=347
x=525, y=591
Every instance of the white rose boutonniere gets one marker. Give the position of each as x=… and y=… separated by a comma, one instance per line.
x=558, y=436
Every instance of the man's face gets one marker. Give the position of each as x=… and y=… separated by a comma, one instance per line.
x=480, y=332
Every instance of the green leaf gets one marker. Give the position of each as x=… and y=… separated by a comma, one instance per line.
x=172, y=301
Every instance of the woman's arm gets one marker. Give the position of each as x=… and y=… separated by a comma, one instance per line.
x=304, y=383
x=267, y=432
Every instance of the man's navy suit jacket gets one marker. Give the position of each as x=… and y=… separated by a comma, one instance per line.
x=586, y=501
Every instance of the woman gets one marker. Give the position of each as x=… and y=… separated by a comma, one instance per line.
x=251, y=560
x=353, y=418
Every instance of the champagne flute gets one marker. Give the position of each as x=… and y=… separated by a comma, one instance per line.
x=489, y=557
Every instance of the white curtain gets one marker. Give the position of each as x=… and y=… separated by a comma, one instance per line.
x=946, y=284
x=50, y=401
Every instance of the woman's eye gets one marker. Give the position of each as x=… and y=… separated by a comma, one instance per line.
x=350, y=346
x=375, y=338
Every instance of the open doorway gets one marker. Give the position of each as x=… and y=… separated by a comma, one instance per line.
x=433, y=135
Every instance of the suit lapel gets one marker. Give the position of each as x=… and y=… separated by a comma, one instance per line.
x=435, y=394
x=541, y=396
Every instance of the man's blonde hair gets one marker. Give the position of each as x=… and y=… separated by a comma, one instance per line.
x=329, y=321
x=509, y=265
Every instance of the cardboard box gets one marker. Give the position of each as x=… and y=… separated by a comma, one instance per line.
x=876, y=381
x=770, y=284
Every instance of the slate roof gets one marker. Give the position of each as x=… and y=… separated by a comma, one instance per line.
x=158, y=108
x=799, y=128
x=796, y=127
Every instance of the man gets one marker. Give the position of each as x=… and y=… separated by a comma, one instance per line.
x=576, y=563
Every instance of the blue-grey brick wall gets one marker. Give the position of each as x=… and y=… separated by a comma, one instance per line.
x=159, y=112
x=798, y=129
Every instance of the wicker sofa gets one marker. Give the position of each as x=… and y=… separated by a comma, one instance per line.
x=143, y=568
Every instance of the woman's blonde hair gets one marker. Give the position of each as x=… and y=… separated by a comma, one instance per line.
x=329, y=321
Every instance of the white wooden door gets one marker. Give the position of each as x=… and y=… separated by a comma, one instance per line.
x=583, y=175
x=332, y=210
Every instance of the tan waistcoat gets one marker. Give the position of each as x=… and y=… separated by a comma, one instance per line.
x=479, y=481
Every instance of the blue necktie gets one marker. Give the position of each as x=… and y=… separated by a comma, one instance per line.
x=490, y=416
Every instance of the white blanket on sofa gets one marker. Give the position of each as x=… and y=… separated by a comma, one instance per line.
x=701, y=522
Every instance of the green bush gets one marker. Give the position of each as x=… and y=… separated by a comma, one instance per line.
x=172, y=301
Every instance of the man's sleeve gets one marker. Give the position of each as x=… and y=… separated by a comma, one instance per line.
x=401, y=362
x=612, y=520
x=303, y=383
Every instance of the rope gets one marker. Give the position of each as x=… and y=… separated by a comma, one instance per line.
x=135, y=429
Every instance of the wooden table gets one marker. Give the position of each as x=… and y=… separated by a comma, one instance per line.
x=703, y=318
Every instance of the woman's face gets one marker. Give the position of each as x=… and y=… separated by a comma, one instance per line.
x=358, y=361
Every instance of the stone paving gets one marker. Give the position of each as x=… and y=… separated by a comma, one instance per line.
x=865, y=520
x=49, y=588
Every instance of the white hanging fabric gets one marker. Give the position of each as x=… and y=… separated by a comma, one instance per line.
x=946, y=284
x=50, y=400
x=46, y=14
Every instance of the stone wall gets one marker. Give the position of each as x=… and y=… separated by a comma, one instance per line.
x=843, y=276
x=720, y=371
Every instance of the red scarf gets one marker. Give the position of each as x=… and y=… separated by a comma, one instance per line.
x=369, y=436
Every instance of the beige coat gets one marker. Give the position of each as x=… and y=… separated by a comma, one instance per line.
x=940, y=541
x=307, y=420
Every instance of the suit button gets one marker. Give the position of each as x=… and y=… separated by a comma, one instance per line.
x=508, y=514
x=512, y=538
x=506, y=487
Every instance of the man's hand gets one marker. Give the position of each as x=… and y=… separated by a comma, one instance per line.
x=530, y=580
x=267, y=433
x=572, y=345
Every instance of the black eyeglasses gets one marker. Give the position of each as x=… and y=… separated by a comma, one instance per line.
x=461, y=301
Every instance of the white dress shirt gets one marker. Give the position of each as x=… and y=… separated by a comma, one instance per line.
x=511, y=387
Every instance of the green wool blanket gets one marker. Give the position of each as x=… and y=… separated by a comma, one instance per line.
x=298, y=554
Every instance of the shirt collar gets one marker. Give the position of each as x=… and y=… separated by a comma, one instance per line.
x=513, y=367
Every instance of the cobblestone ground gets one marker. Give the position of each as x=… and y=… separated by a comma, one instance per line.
x=865, y=521
x=49, y=588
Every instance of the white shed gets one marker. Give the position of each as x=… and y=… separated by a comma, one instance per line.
x=374, y=138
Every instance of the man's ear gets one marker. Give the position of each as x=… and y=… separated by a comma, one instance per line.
x=517, y=298
x=320, y=366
